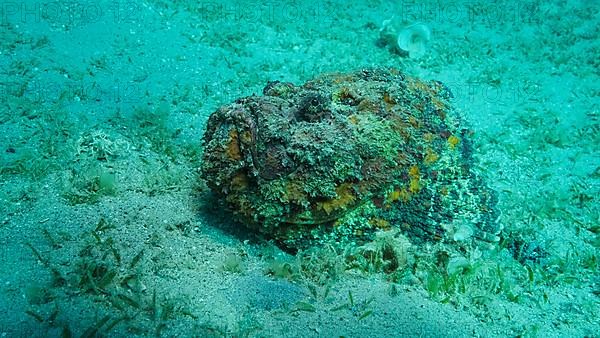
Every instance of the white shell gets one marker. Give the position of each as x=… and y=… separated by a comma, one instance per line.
x=413, y=39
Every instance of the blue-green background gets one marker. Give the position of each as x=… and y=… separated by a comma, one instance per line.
x=103, y=105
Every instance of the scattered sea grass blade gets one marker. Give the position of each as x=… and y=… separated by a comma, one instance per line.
x=304, y=306
x=155, y=308
x=103, y=225
x=90, y=281
x=53, y=242
x=114, y=322
x=37, y=254
x=365, y=315
x=66, y=332
x=136, y=259
x=35, y=315
x=106, y=279
x=93, y=330
x=129, y=301
x=53, y=315
x=116, y=254
x=159, y=329
x=341, y=307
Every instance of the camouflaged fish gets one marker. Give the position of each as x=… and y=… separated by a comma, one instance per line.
x=344, y=156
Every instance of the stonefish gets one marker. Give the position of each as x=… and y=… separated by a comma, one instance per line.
x=344, y=156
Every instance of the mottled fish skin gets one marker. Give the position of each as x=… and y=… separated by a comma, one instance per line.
x=344, y=156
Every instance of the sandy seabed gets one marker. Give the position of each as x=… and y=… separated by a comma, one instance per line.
x=107, y=230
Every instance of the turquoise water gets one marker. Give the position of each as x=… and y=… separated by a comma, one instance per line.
x=107, y=229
